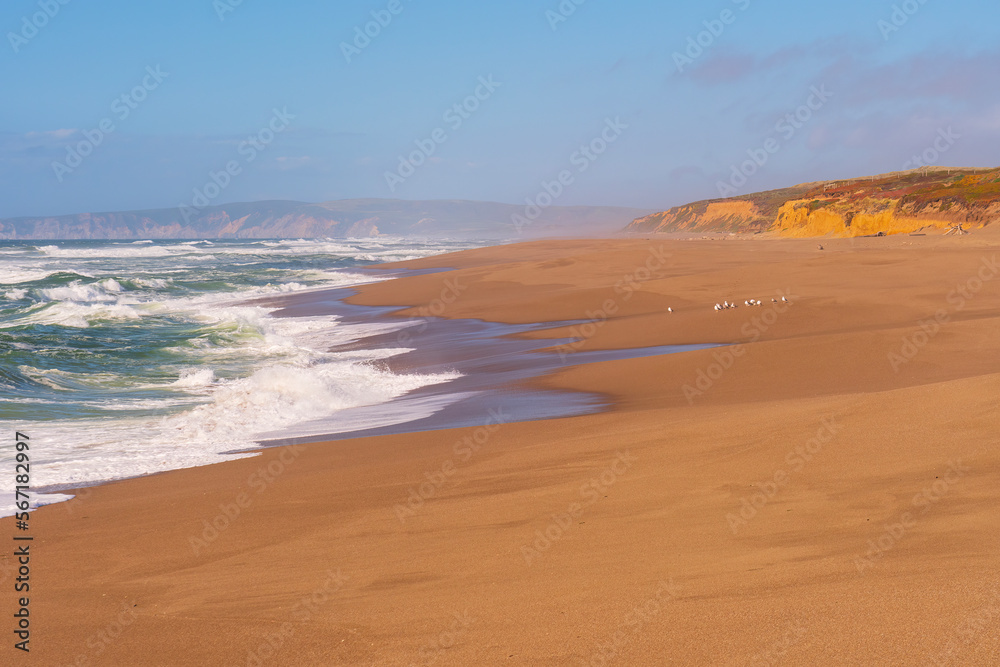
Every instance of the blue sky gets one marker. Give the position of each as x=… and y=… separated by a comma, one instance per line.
x=202, y=81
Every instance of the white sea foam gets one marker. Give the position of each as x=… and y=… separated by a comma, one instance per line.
x=239, y=411
x=80, y=292
x=196, y=379
x=242, y=374
x=113, y=252
x=78, y=304
x=402, y=411
x=278, y=396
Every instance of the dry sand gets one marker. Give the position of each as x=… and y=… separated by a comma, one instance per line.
x=877, y=541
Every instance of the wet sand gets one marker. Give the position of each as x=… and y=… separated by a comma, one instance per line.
x=496, y=362
x=824, y=491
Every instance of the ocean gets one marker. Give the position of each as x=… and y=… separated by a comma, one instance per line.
x=121, y=359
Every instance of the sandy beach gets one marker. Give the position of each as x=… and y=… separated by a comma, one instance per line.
x=821, y=490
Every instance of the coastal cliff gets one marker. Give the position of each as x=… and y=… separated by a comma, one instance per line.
x=897, y=203
x=349, y=218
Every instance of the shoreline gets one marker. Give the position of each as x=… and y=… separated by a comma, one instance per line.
x=535, y=542
x=501, y=367
x=134, y=359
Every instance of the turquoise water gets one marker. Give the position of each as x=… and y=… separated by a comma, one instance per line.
x=126, y=358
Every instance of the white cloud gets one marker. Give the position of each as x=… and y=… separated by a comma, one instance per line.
x=52, y=134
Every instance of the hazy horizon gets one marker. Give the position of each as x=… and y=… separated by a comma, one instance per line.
x=332, y=201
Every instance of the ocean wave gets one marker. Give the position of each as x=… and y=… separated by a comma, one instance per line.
x=79, y=303
x=278, y=396
x=153, y=283
x=55, y=378
x=177, y=363
x=76, y=315
x=196, y=379
x=41, y=376
x=113, y=252
x=19, y=276
x=107, y=290
x=93, y=450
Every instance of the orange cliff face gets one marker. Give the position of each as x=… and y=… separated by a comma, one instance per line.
x=722, y=215
x=898, y=203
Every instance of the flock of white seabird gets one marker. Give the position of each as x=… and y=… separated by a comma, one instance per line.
x=725, y=305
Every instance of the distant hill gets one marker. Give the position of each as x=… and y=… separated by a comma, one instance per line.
x=895, y=203
x=335, y=219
